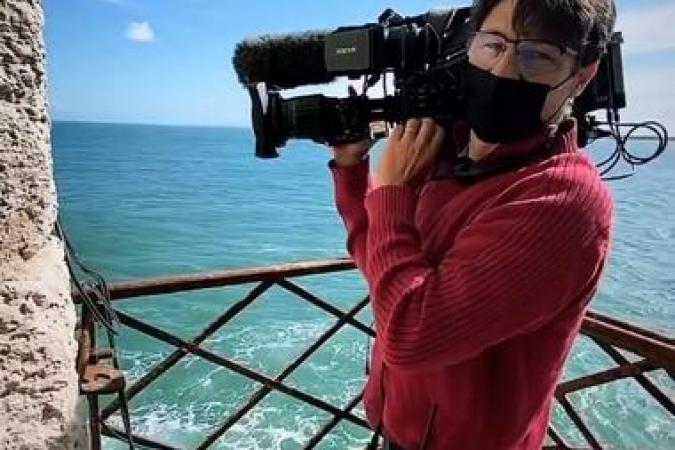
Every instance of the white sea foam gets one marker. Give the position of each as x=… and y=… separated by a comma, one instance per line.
x=280, y=424
x=136, y=363
x=265, y=427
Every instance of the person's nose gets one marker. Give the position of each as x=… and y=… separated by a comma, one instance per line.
x=506, y=66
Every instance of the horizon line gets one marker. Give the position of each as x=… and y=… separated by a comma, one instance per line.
x=147, y=124
x=241, y=127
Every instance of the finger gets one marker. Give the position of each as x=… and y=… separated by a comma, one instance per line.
x=429, y=151
x=412, y=127
x=426, y=133
x=438, y=139
x=397, y=133
x=432, y=148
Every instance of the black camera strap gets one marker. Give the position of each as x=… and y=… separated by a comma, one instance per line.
x=467, y=171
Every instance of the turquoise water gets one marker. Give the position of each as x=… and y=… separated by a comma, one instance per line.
x=141, y=201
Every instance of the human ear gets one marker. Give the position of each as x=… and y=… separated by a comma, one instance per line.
x=585, y=75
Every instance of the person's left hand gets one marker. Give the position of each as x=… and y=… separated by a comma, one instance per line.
x=410, y=151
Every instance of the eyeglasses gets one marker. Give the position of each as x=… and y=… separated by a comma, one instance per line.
x=536, y=60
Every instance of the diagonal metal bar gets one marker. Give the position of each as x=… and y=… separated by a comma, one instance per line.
x=316, y=301
x=557, y=439
x=644, y=333
x=581, y=426
x=180, y=353
x=168, y=338
x=332, y=423
x=263, y=391
x=113, y=432
x=607, y=376
x=557, y=447
x=645, y=382
x=637, y=331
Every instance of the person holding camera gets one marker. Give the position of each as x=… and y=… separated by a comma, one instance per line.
x=479, y=286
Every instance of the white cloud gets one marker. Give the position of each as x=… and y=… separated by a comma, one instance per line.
x=140, y=32
x=648, y=29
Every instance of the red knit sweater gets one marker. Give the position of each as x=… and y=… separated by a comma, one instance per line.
x=477, y=292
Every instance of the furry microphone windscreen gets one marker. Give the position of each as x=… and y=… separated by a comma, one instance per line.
x=283, y=61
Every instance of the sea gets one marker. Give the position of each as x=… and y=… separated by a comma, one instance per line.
x=142, y=201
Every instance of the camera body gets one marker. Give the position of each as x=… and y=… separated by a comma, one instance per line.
x=426, y=55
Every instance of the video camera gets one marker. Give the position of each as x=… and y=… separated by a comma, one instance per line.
x=426, y=55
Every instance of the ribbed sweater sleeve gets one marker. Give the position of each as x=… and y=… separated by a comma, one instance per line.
x=510, y=270
x=351, y=185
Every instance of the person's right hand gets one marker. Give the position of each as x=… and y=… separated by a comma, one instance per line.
x=351, y=154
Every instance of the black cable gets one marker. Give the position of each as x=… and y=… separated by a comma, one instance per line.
x=621, y=151
x=96, y=298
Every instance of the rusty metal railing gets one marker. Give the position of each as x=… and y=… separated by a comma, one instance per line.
x=657, y=352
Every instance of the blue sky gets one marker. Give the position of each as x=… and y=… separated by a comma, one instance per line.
x=169, y=61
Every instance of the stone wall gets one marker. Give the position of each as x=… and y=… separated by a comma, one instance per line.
x=38, y=382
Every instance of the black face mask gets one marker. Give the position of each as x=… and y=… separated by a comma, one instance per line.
x=502, y=110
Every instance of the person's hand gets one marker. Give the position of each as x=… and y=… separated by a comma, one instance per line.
x=346, y=155
x=410, y=151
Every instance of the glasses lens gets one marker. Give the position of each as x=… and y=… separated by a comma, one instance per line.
x=485, y=49
x=539, y=61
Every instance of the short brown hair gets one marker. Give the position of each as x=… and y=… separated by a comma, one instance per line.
x=582, y=25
